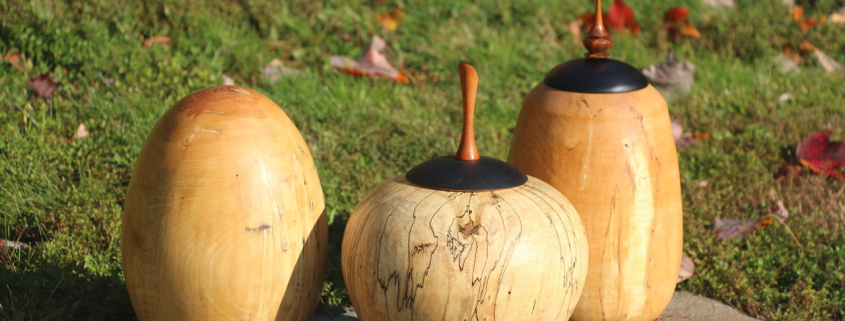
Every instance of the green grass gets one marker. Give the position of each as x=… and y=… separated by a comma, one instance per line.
x=65, y=199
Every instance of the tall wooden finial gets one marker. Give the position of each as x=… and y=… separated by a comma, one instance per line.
x=469, y=87
x=598, y=41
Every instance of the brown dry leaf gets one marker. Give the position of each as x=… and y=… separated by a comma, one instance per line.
x=157, y=40
x=806, y=48
x=687, y=268
x=828, y=64
x=788, y=59
x=15, y=59
x=729, y=229
x=575, y=30
x=671, y=77
x=228, y=81
x=372, y=64
x=720, y=3
x=80, y=132
x=275, y=70
x=390, y=20
x=43, y=86
x=13, y=244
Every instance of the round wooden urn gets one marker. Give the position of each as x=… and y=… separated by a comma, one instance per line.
x=599, y=133
x=224, y=217
x=464, y=237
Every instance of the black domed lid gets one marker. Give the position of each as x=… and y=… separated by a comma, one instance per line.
x=597, y=73
x=467, y=171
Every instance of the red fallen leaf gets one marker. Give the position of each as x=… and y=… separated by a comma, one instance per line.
x=621, y=17
x=806, y=24
x=42, y=85
x=372, y=64
x=821, y=155
x=676, y=14
x=729, y=229
x=700, y=136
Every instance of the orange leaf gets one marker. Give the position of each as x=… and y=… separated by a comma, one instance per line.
x=14, y=58
x=157, y=40
x=797, y=13
x=789, y=52
x=701, y=136
x=805, y=47
x=821, y=155
x=390, y=20
x=690, y=31
x=676, y=14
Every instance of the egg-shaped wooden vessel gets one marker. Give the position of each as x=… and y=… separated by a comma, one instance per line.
x=609, y=149
x=224, y=216
x=464, y=238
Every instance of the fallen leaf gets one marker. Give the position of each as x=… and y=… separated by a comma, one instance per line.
x=13, y=244
x=828, y=64
x=687, y=268
x=671, y=77
x=806, y=48
x=372, y=64
x=43, y=86
x=676, y=14
x=575, y=30
x=838, y=17
x=808, y=23
x=677, y=130
x=729, y=229
x=675, y=24
x=788, y=59
x=14, y=59
x=390, y=20
x=621, y=17
x=275, y=70
x=700, y=136
x=720, y=3
x=80, y=132
x=703, y=183
x=157, y=40
x=821, y=155
x=781, y=210
x=228, y=81
x=784, y=98
x=797, y=13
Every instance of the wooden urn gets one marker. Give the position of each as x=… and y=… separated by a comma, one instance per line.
x=464, y=237
x=599, y=133
x=224, y=217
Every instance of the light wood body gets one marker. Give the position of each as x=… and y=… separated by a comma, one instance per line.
x=613, y=156
x=224, y=216
x=414, y=253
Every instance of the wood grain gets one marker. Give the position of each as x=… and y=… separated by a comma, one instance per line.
x=413, y=253
x=224, y=216
x=613, y=156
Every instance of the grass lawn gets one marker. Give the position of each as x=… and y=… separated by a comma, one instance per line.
x=64, y=197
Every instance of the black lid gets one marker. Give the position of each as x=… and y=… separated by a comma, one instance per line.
x=466, y=170
x=597, y=73
x=596, y=76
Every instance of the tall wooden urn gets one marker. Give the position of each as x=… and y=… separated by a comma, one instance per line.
x=599, y=133
x=224, y=217
x=464, y=237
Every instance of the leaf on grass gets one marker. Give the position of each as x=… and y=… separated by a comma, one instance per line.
x=275, y=70
x=788, y=59
x=13, y=244
x=15, y=59
x=157, y=40
x=838, y=17
x=80, y=132
x=720, y=3
x=821, y=155
x=729, y=229
x=43, y=86
x=687, y=268
x=621, y=17
x=671, y=76
x=675, y=24
x=228, y=81
x=828, y=64
x=372, y=64
x=575, y=30
x=390, y=20
x=781, y=210
x=808, y=23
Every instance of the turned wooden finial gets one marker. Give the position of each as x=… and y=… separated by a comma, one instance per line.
x=598, y=41
x=469, y=87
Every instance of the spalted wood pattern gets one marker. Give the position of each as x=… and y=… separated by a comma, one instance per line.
x=414, y=253
x=614, y=158
x=224, y=217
